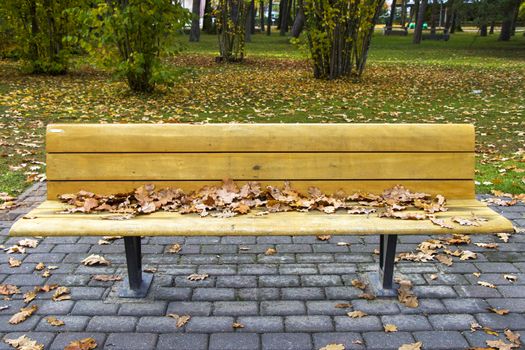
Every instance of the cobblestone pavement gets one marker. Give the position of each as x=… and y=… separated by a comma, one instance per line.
x=284, y=301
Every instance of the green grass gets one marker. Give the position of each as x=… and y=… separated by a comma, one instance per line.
x=467, y=79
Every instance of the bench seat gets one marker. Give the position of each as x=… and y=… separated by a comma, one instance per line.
x=46, y=221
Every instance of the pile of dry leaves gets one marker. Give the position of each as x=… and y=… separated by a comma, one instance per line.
x=229, y=200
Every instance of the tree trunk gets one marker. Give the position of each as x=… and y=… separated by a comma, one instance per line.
x=392, y=14
x=492, y=24
x=506, y=25
x=207, y=23
x=515, y=18
x=418, y=32
x=253, y=12
x=195, y=32
x=453, y=23
x=433, y=18
x=33, y=48
x=403, y=13
x=450, y=15
x=280, y=18
x=300, y=18
x=284, y=17
x=269, y=28
x=261, y=15
x=248, y=24
x=483, y=30
x=415, y=10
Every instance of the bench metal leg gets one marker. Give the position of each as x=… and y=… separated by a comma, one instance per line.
x=135, y=285
x=387, y=254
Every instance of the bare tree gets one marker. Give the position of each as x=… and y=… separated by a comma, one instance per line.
x=195, y=31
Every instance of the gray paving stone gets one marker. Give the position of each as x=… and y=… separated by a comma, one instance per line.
x=219, y=249
x=342, y=292
x=194, y=308
x=158, y=324
x=377, y=306
x=182, y=341
x=386, y=341
x=315, y=258
x=274, y=239
x=131, y=341
x=25, y=326
x=362, y=324
x=45, y=258
x=434, y=292
x=257, y=269
x=517, y=305
x=112, y=324
x=72, y=324
x=302, y=293
x=441, y=340
x=210, y=324
x=150, y=308
x=286, y=341
x=337, y=268
x=171, y=293
x=512, y=321
x=464, y=305
x=258, y=294
x=348, y=339
x=49, y=307
x=183, y=281
x=353, y=257
x=479, y=339
x=236, y=281
x=242, y=341
x=500, y=267
x=321, y=280
x=80, y=293
x=238, y=240
x=279, y=281
x=308, y=324
x=280, y=258
x=512, y=291
x=298, y=269
x=237, y=259
x=324, y=307
x=235, y=308
x=451, y=322
x=63, y=339
x=283, y=308
x=294, y=248
x=477, y=291
x=24, y=280
x=213, y=294
x=261, y=324
x=330, y=248
x=408, y=323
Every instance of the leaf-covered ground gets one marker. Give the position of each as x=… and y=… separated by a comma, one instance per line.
x=468, y=79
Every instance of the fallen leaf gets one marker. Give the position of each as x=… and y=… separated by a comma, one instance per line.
x=503, y=236
x=95, y=260
x=150, y=269
x=343, y=305
x=324, y=237
x=356, y=314
x=197, y=277
x=181, y=319
x=40, y=266
x=367, y=296
x=270, y=251
x=444, y=259
x=52, y=320
x=30, y=296
x=82, y=344
x=487, y=245
x=390, y=328
x=486, y=284
x=24, y=343
x=411, y=346
x=510, y=278
x=23, y=314
x=119, y=217
x=344, y=244
x=467, y=255
x=15, y=249
x=8, y=289
x=46, y=274
x=333, y=347
x=474, y=326
x=477, y=274
x=512, y=337
x=29, y=243
x=107, y=278
x=359, y=284
x=433, y=277
x=62, y=293
x=237, y=325
x=405, y=294
x=103, y=242
x=500, y=344
x=174, y=248
x=14, y=262
x=500, y=312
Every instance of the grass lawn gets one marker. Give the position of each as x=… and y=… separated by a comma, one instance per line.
x=468, y=79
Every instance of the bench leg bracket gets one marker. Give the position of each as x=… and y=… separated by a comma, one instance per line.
x=387, y=255
x=135, y=285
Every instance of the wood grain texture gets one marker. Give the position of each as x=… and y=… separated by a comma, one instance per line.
x=259, y=166
x=451, y=189
x=260, y=137
x=46, y=223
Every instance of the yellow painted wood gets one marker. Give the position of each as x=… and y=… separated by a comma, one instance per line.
x=293, y=223
x=451, y=189
x=259, y=166
x=260, y=137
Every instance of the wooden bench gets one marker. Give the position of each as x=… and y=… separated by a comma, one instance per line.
x=108, y=159
x=398, y=31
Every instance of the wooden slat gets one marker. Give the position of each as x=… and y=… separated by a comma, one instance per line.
x=449, y=188
x=260, y=137
x=259, y=166
x=292, y=223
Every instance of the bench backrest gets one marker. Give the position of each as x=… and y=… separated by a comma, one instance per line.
x=111, y=158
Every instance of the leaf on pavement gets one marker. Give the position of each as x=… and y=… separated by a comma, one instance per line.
x=197, y=276
x=324, y=237
x=95, y=260
x=82, y=344
x=174, y=248
x=356, y=314
x=500, y=312
x=270, y=251
x=62, y=293
x=390, y=328
x=181, y=319
x=107, y=278
x=411, y=346
x=333, y=347
x=52, y=320
x=14, y=262
x=29, y=243
x=24, y=343
x=486, y=284
x=23, y=314
x=8, y=289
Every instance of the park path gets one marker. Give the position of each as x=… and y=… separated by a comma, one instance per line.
x=284, y=301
